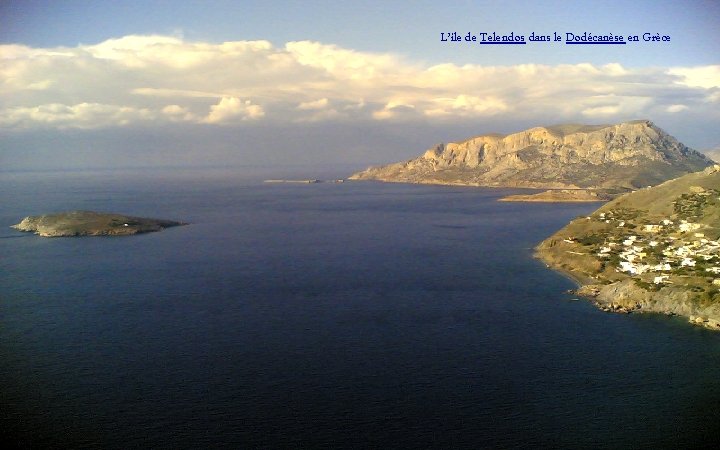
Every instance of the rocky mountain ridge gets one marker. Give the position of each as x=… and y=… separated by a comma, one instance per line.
x=624, y=156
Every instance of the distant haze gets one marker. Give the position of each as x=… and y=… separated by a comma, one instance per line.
x=713, y=154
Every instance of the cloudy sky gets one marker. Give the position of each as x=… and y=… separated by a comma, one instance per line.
x=163, y=83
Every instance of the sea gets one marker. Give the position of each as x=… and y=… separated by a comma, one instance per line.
x=331, y=315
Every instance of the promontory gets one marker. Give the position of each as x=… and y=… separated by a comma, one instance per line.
x=621, y=157
x=653, y=250
x=91, y=223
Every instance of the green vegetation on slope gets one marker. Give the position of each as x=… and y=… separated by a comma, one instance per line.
x=663, y=243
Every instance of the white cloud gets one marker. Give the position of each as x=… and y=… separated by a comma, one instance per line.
x=82, y=115
x=467, y=105
x=345, y=64
x=608, y=110
x=231, y=109
x=156, y=79
x=316, y=104
x=601, y=106
x=323, y=110
x=174, y=110
x=395, y=109
x=615, y=69
x=145, y=51
x=676, y=108
x=177, y=113
x=162, y=92
x=705, y=76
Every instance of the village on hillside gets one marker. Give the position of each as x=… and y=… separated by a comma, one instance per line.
x=658, y=251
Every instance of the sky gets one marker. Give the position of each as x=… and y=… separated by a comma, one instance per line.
x=205, y=83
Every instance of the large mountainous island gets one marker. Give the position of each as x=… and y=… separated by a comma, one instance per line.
x=617, y=157
x=656, y=249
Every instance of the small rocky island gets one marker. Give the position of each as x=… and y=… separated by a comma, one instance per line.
x=90, y=223
x=561, y=196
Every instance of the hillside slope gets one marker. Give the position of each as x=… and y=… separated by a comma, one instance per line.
x=656, y=250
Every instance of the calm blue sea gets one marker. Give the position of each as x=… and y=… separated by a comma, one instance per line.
x=355, y=315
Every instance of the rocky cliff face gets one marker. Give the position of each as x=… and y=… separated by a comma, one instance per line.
x=627, y=155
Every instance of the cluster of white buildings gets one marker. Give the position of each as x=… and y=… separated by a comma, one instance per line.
x=682, y=248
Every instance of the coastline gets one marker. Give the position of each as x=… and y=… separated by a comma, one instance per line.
x=651, y=250
x=529, y=199
x=516, y=185
x=561, y=196
x=578, y=279
x=626, y=297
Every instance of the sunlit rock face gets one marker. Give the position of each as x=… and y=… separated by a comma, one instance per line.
x=623, y=156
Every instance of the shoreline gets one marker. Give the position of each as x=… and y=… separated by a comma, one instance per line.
x=531, y=200
x=624, y=297
x=577, y=279
x=522, y=185
x=653, y=250
x=562, y=196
